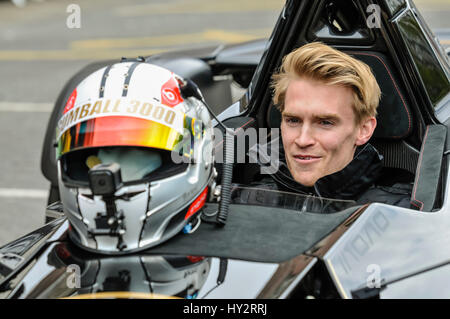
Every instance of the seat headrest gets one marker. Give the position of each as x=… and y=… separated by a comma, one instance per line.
x=394, y=119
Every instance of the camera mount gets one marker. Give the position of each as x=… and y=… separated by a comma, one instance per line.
x=104, y=181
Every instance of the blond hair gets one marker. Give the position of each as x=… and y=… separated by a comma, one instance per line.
x=321, y=62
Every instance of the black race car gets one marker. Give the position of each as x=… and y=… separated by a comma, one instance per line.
x=269, y=251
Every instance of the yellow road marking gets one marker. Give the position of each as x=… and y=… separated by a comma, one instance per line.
x=48, y=55
x=171, y=40
x=132, y=47
x=200, y=7
x=115, y=48
x=109, y=43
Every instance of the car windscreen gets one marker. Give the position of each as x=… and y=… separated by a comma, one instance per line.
x=257, y=196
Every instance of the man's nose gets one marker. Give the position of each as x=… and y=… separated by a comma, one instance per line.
x=305, y=136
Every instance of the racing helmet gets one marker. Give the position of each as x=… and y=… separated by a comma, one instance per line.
x=135, y=158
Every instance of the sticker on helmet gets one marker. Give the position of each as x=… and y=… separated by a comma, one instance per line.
x=122, y=107
x=197, y=204
x=170, y=93
x=70, y=101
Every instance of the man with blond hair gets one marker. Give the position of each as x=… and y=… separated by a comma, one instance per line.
x=328, y=103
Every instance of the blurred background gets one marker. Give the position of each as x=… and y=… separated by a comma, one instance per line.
x=41, y=47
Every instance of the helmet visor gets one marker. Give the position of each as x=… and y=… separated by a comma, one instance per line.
x=131, y=131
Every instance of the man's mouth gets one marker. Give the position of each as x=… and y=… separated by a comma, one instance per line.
x=306, y=158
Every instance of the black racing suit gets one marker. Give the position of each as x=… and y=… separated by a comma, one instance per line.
x=357, y=181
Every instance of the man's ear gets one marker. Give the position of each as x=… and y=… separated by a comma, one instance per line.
x=366, y=129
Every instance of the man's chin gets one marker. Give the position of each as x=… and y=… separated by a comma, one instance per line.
x=302, y=176
x=305, y=181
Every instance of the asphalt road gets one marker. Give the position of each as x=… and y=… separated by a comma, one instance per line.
x=42, y=45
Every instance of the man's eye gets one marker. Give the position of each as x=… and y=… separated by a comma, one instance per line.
x=291, y=120
x=326, y=123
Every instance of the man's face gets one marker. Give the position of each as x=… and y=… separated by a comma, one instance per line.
x=318, y=129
